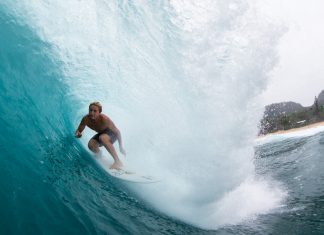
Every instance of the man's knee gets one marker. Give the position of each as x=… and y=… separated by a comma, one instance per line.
x=104, y=139
x=93, y=146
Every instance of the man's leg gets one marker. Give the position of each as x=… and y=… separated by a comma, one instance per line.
x=105, y=140
x=93, y=145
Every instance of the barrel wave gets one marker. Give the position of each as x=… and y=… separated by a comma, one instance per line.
x=182, y=82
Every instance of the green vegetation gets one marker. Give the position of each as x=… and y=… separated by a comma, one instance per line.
x=285, y=120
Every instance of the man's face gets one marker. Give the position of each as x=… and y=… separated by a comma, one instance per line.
x=94, y=112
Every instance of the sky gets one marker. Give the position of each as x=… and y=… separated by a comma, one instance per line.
x=299, y=74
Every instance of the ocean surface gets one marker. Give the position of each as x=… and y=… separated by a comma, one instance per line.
x=182, y=80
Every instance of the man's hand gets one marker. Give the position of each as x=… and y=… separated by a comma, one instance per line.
x=122, y=150
x=78, y=134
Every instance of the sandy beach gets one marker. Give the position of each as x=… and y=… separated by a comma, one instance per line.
x=295, y=129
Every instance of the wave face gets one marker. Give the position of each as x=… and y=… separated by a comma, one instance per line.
x=180, y=79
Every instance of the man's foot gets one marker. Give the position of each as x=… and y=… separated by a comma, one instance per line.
x=116, y=165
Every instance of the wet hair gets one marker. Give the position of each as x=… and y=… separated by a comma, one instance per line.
x=96, y=104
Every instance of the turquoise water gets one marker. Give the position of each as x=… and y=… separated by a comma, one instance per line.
x=166, y=76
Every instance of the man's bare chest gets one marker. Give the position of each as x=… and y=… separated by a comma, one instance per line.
x=97, y=126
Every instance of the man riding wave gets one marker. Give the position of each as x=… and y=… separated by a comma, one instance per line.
x=107, y=133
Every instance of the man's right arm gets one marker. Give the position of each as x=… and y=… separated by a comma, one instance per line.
x=82, y=125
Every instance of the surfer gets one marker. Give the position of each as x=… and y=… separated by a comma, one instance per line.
x=107, y=133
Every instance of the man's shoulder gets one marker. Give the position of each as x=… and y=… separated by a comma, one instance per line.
x=105, y=118
x=103, y=115
x=85, y=118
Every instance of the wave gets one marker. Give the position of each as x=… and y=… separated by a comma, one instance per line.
x=180, y=79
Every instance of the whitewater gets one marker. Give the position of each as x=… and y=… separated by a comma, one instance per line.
x=182, y=80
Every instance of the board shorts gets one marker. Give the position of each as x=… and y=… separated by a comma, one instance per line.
x=112, y=136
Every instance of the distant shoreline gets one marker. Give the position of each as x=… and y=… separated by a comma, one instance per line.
x=290, y=115
x=317, y=124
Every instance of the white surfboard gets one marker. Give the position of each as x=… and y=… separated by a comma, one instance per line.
x=125, y=173
x=131, y=176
